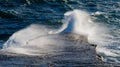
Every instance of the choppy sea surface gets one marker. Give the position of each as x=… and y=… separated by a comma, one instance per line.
x=20, y=17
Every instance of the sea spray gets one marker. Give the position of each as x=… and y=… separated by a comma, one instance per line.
x=37, y=39
x=21, y=37
x=80, y=22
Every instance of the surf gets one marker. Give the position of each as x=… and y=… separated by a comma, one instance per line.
x=38, y=39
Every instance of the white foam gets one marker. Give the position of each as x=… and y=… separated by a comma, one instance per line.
x=21, y=37
x=36, y=39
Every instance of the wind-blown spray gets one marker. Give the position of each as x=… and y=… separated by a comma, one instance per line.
x=39, y=39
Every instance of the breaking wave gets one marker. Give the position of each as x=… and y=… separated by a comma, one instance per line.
x=38, y=39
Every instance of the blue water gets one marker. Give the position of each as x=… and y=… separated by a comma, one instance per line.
x=18, y=14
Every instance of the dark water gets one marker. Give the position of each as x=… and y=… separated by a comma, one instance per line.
x=18, y=14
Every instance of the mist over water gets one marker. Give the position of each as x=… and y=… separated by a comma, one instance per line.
x=38, y=39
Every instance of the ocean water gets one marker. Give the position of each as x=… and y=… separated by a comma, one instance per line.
x=25, y=23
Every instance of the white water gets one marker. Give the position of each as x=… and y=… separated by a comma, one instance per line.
x=37, y=39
